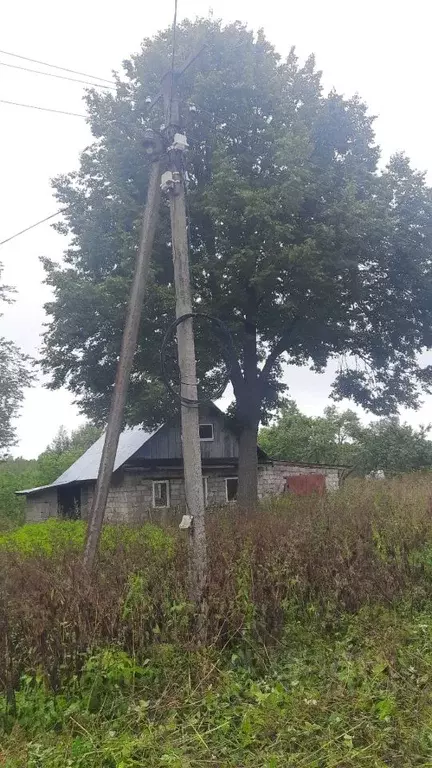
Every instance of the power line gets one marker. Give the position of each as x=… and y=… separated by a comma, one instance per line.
x=36, y=224
x=173, y=59
x=55, y=66
x=59, y=77
x=44, y=109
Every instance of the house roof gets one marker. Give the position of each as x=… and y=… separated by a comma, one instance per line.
x=87, y=466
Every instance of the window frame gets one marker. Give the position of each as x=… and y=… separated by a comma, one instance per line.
x=167, y=484
x=230, y=501
x=207, y=439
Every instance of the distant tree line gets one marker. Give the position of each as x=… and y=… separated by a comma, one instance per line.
x=18, y=474
x=16, y=373
x=339, y=437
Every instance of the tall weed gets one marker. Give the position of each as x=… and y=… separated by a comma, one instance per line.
x=367, y=543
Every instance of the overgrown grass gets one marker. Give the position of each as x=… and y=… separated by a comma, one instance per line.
x=56, y=537
x=355, y=696
x=317, y=651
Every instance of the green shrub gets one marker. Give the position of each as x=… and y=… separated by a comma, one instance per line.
x=44, y=538
x=57, y=536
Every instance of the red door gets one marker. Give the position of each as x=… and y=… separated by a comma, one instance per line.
x=302, y=485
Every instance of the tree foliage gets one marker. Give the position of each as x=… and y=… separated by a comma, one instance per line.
x=328, y=439
x=78, y=441
x=394, y=447
x=298, y=242
x=19, y=474
x=339, y=437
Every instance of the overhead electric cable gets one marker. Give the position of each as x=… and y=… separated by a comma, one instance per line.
x=56, y=66
x=58, y=77
x=44, y=109
x=36, y=224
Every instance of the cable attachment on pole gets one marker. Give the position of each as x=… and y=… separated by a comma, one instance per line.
x=223, y=332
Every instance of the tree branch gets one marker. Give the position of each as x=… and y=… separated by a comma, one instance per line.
x=236, y=375
x=277, y=350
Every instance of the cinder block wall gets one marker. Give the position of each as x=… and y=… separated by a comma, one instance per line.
x=130, y=499
x=271, y=477
x=41, y=506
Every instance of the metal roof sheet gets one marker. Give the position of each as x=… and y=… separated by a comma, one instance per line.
x=32, y=490
x=87, y=466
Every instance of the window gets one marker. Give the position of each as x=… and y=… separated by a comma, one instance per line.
x=231, y=484
x=206, y=432
x=205, y=490
x=161, y=496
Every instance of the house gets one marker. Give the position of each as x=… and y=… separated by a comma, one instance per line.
x=148, y=483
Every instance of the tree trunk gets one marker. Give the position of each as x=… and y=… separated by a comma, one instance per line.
x=248, y=414
x=248, y=466
x=249, y=390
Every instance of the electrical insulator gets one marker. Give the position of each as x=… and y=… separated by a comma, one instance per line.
x=179, y=142
x=169, y=180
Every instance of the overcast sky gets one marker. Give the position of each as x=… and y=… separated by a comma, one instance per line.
x=378, y=49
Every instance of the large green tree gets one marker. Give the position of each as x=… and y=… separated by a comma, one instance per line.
x=394, y=447
x=298, y=242
x=332, y=438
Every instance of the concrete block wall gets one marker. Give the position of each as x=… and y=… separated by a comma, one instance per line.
x=271, y=477
x=125, y=504
x=130, y=499
x=41, y=506
x=216, y=489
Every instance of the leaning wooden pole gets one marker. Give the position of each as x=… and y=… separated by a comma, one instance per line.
x=124, y=367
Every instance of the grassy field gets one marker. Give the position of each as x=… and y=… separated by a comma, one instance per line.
x=318, y=651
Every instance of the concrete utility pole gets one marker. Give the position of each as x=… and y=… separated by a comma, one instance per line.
x=172, y=181
x=124, y=367
x=185, y=341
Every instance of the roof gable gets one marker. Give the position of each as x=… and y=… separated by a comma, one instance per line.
x=86, y=468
